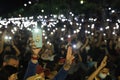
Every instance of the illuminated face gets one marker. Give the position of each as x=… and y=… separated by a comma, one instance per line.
x=13, y=62
x=13, y=77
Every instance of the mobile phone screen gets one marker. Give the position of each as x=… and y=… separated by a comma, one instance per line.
x=37, y=37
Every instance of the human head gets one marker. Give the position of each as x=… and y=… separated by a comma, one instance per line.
x=8, y=73
x=103, y=73
x=11, y=60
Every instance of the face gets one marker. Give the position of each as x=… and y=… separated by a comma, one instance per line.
x=13, y=62
x=103, y=73
x=13, y=77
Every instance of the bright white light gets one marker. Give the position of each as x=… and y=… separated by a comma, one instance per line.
x=108, y=20
x=62, y=38
x=70, y=12
x=71, y=23
x=77, y=24
x=6, y=37
x=86, y=31
x=56, y=28
x=113, y=11
x=95, y=19
x=48, y=29
x=64, y=26
x=25, y=5
x=69, y=36
x=42, y=10
x=45, y=16
x=74, y=46
x=114, y=27
x=101, y=29
x=118, y=20
x=29, y=2
x=78, y=30
x=75, y=32
x=107, y=27
x=104, y=34
x=81, y=2
x=46, y=37
x=82, y=20
x=43, y=34
x=113, y=33
x=92, y=34
x=117, y=26
x=48, y=42
x=88, y=25
x=9, y=37
x=109, y=8
x=92, y=26
x=63, y=29
x=51, y=33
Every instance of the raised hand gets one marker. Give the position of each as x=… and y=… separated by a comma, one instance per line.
x=104, y=62
x=69, y=58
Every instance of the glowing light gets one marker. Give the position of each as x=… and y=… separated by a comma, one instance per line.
x=46, y=37
x=101, y=29
x=75, y=32
x=107, y=27
x=42, y=10
x=25, y=5
x=113, y=11
x=62, y=38
x=92, y=26
x=51, y=33
x=6, y=37
x=29, y=2
x=109, y=8
x=63, y=29
x=69, y=36
x=74, y=46
x=81, y=2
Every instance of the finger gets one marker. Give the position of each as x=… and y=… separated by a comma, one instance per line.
x=105, y=58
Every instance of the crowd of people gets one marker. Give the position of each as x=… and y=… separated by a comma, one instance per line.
x=95, y=57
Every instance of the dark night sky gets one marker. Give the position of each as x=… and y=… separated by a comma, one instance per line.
x=7, y=6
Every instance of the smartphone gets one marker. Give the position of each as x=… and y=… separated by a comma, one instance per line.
x=37, y=37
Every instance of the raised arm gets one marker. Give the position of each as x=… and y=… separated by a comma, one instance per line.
x=86, y=43
x=63, y=72
x=2, y=42
x=16, y=49
x=95, y=73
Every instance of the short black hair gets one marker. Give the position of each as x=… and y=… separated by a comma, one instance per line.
x=8, y=57
x=7, y=71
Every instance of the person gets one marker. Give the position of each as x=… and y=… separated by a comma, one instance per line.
x=31, y=70
x=11, y=60
x=8, y=72
x=101, y=72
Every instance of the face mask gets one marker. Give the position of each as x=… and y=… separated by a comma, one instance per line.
x=102, y=76
x=87, y=48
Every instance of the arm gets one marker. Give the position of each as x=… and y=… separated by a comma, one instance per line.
x=86, y=43
x=95, y=73
x=16, y=49
x=99, y=41
x=63, y=71
x=31, y=70
x=2, y=43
